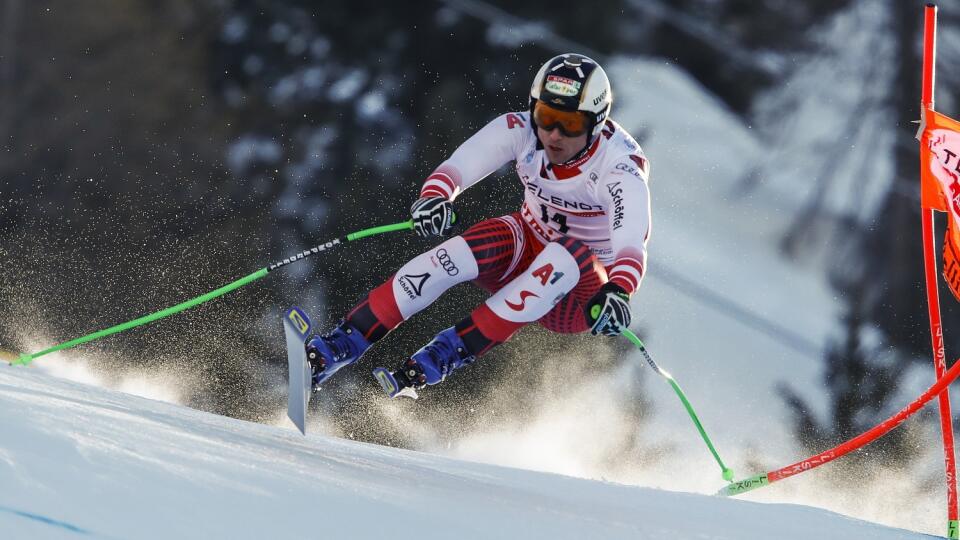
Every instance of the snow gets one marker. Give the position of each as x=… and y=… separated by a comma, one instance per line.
x=347, y=86
x=835, y=141
x=710, y=234
x=81, y=461
x=235, y=29
x=705, y=233
x=250, y=150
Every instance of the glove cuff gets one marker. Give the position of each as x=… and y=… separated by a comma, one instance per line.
x=610, y=286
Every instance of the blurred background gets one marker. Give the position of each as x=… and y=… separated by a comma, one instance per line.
x=151, y=152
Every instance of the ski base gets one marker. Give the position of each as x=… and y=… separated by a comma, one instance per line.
x=390, y=385
x=296, y=329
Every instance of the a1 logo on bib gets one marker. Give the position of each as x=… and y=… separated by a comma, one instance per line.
x=544, y=273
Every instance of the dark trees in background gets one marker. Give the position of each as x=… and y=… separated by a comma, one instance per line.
x=861, y=379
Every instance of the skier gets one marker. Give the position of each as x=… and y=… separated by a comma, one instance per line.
x=570, y=258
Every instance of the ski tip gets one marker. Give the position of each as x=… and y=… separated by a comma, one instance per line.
x=298, y=321
x=299, y=424
x=390, y=385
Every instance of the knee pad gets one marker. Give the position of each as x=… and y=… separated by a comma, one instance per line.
x=421, y=281
x=530, y=296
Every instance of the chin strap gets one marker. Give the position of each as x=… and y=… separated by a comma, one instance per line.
x=582, y=152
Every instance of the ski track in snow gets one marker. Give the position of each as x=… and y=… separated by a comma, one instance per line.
x=86, y=462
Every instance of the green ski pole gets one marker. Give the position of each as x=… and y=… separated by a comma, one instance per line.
x=727, y=472
x=25, y=359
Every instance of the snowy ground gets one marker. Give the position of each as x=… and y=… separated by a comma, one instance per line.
x=78, y=461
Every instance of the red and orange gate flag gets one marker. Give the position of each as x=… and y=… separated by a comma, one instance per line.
x=940, y=184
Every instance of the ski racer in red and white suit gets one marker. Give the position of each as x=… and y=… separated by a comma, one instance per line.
x=569, y=258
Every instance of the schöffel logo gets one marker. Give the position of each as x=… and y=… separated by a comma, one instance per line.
x=616, y=193
x=413, y=284
x=446, y=262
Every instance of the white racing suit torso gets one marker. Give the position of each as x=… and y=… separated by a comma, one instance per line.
x=601, y=199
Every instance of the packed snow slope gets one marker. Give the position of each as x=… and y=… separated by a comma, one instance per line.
x=78, y=461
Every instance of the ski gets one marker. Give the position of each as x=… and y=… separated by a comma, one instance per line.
x=296, y=329
x=390, y=385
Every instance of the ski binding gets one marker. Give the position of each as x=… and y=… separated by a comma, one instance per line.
x=391, y=386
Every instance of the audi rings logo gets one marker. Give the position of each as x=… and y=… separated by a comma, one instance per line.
x=446, y=262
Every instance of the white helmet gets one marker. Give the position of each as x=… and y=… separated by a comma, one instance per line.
x=573, y=82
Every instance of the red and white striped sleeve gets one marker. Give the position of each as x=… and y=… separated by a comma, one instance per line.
x=625, y=192
x=445, y=181
x=496, y=144
x=627, y=269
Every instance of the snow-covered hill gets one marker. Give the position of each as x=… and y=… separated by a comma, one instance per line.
x=78, y=461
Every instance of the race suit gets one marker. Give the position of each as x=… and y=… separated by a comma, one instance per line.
x=581, y=224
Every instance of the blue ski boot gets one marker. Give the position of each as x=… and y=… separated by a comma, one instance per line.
x=340, y=347
x=429, y=365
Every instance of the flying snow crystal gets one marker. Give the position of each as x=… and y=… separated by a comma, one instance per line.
x=250, y=150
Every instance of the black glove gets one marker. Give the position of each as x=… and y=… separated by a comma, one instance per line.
x=608, y=312
x=433, y=216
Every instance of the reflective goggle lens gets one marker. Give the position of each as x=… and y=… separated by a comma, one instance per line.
x=571, y=123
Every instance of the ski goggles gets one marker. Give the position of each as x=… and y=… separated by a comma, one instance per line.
x=570, y=123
